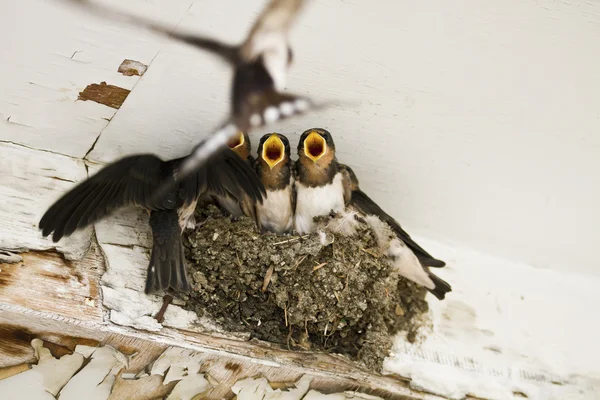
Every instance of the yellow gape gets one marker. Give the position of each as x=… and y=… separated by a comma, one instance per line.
x=273, y=150
x=236, y=141
x=315, y=146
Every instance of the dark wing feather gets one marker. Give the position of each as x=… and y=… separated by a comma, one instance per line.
x=225, y=174
x=235, y=176
x=128, y=181
x=366, y=205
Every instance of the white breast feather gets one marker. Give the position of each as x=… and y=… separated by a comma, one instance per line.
x=275, y=213
x=316, y=201
x=186, y=216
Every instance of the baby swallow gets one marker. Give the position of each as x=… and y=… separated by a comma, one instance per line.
x=241, y=146
x=132, y=181
x=274, y=169
x=323, y=185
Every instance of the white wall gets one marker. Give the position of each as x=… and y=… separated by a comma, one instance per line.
x=479, y=122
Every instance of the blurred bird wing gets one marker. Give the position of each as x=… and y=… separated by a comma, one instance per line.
x=129, y=181
x=270, y=30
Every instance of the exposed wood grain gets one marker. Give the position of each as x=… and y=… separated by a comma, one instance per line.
x=15, y=345
x=7, y=372
x=149, y=387
x=141, y=353
x=102, y=93
x=45, y=281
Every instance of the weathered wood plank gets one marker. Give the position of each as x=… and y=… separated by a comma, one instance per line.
x=45, y=281
x=30, y=181
x=175, y=375
x=223, y=360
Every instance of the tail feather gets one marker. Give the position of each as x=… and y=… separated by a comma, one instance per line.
x=404, y=260
x=441, y=286
x=167, y=262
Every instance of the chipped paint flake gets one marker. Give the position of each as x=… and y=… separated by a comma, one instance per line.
x=109, y=95
x=250, y=389
x=189, y=387
x=98, y=376
x=44, y=380
x=176, y=363
x=132, y=67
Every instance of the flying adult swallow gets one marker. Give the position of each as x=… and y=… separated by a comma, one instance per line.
x=261, y=63
x=323, y=185
x=131, y=181
x=275, y=170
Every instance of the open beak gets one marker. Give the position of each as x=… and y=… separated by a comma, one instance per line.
x=236, y=141
x=273, y=151
x=315, y=146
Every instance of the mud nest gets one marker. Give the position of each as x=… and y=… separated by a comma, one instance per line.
x=330, y=293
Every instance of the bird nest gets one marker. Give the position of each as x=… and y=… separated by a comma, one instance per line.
x=322, y=292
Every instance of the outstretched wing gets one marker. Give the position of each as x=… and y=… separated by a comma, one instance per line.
x=226, y=174
x=357, y=198
x=129, y=181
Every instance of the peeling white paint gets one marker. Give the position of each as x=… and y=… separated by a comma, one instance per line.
x=127, y=253
x=189, y=386
x=175, y=362
x=97, y=378
x=251, y=389
x=95, y=381
x=30, y=181
x=44, y=380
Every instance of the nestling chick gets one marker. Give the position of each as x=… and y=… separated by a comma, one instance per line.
x=274, y=169
x=323, y=186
